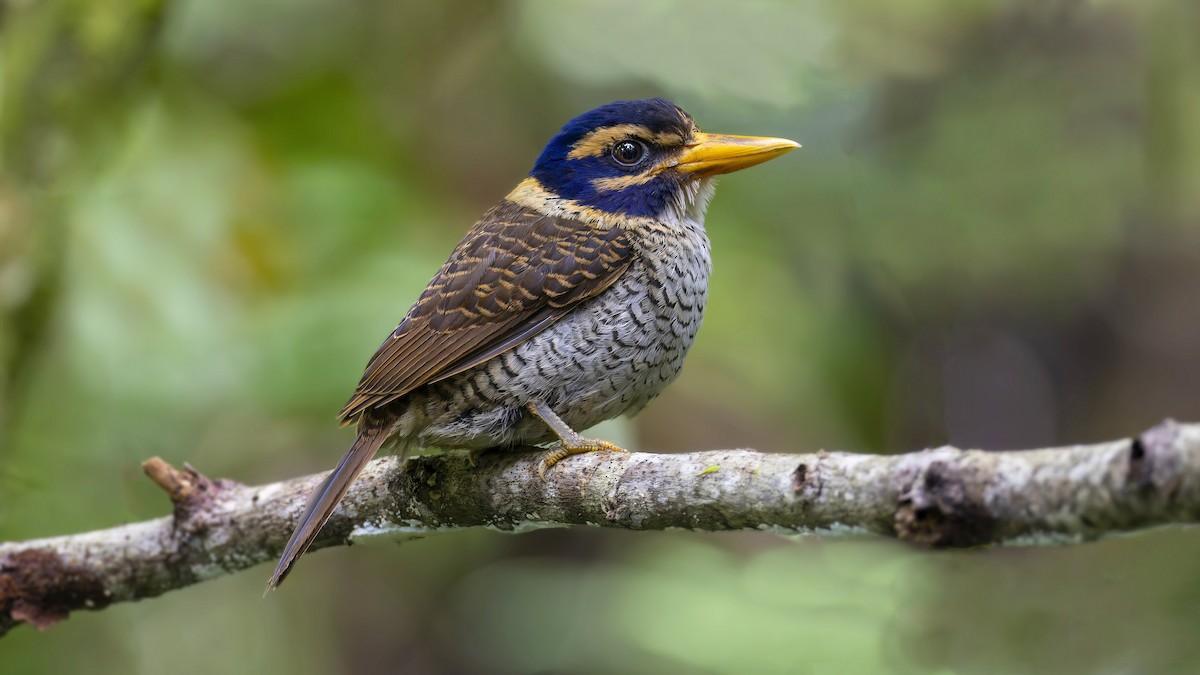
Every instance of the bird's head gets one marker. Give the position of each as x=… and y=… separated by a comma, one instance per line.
x=644, y=158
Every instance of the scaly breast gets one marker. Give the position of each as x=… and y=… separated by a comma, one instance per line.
x=610, y=357
x=672, y=289
x=623, y=348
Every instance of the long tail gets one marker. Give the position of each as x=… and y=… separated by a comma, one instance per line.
x=327, y=495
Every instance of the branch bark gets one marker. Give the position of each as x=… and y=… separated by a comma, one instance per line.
x=943, y=497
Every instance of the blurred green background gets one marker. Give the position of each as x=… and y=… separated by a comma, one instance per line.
x=211, y=211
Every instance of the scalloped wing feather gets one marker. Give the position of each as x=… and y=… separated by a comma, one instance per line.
x=514, y=274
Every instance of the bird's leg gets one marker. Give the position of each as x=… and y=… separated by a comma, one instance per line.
x=569, y=441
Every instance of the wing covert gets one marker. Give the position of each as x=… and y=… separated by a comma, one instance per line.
x=512, y=276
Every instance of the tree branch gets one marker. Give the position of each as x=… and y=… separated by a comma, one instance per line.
x=944, y=497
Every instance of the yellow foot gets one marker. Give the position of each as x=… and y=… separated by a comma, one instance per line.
x=573, y=446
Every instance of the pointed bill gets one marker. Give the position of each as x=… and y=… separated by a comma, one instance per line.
x=713, y=154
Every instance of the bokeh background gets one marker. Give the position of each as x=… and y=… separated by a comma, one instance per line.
x=211, y=211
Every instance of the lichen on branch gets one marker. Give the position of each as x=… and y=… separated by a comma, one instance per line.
x=942, y=497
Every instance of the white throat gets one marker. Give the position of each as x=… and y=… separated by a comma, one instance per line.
x=690, y=202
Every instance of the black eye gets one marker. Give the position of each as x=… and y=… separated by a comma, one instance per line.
x=628, y=153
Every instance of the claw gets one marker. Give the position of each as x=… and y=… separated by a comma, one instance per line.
x=569, y=441
x=575, y=446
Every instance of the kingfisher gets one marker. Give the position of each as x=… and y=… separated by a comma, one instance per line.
x=572, y=301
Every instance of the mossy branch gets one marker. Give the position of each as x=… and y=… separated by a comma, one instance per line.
x=943, y=497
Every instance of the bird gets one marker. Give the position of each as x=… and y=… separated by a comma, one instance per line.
x=572, y=301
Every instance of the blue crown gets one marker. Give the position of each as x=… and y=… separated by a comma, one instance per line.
x=574, y=177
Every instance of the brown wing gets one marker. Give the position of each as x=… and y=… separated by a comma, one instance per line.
x=513, y=275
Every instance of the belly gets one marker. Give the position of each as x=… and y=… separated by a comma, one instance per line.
x=609, y=357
